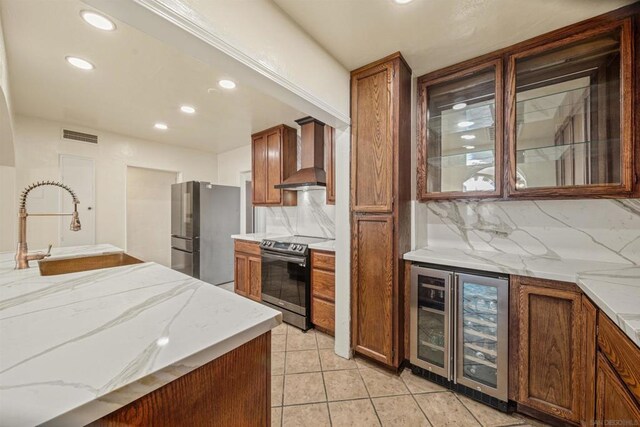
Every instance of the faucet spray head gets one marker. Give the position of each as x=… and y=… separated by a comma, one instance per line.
x=75, y=219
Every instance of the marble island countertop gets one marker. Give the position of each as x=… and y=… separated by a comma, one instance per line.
x=78, y=346
x=613, y=287
x=328, y=245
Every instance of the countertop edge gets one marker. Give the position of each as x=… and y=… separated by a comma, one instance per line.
x=121, y=397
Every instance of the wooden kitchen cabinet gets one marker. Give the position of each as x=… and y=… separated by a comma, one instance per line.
x=330, y=163
x=614, y=403
x=247, y=269
x=323, y=291
x=380, y=206
x=565, y=103
x=546, y=348
x=274, y=158
x=618, y=376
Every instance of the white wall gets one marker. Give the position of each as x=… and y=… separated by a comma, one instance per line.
x=261, y=31
x=149, y=214
x=7, y=158
x=343, y=243
x=39, y=144
x=232, y=163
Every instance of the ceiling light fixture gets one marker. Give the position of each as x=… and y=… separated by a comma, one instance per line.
x=98, y=21
x=468, y=137
x=469, y=147
x=83, y=64
x=402, y=1
x=459, y=106
x=161, y=126
x=187, y=109
x=465, y=124
x=227, y=84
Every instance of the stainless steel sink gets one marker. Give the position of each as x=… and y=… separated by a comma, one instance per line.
x=92, y=262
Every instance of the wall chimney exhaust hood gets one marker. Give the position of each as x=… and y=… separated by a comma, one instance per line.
x=311, y=175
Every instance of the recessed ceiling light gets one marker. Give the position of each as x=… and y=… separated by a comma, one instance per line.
x=465, y=124
x=402, y=1
x=469, y=147
x=161, y=126
x=459, y=106
x=83, y=64
x=227, y=84
x=187, y=109
x=468, y=136
x=94, y=19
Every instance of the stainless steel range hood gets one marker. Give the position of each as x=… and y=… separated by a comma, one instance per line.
x=311, y=175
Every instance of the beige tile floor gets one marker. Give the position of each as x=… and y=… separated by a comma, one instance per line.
x=311, y=386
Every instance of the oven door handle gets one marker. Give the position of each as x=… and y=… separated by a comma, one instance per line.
x=296, y=260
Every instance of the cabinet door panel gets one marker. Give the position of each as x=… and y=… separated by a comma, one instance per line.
x=373, y=287
x=240, y=274
x=274, y=167
x=614, y=404
x=329, y=163
x=254, y=271
x=259, y=179
x=372, y=144
x=550, y=348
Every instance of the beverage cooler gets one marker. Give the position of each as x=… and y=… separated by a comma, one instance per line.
x=459, y=331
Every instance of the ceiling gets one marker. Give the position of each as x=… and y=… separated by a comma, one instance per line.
x=432, y=34
x=137, y=82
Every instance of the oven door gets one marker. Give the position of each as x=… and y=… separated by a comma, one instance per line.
x=285, y=281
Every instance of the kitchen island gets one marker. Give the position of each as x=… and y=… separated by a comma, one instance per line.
x=142, y=343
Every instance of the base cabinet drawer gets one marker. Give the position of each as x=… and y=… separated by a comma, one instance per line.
x=323, y=314
x=324, y=284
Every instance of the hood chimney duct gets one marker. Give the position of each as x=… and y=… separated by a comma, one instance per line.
x=311, y=174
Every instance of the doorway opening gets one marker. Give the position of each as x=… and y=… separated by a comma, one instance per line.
x=149, y=214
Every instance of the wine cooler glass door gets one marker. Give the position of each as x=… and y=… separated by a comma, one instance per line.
x=482, y=336
x=430, y=319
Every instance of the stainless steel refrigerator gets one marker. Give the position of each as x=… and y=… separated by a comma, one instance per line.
x=203, y=218
x=459, y=331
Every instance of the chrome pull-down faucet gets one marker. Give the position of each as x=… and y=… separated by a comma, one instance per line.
x=22, y=253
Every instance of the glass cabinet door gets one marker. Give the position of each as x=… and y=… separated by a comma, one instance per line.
x=461, y=144
x=567, y=125
x=431, y=316
x=482, y=334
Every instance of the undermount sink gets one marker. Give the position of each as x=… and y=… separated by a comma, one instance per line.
x=93, y=262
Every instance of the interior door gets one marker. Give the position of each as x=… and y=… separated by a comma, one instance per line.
x=79, y=174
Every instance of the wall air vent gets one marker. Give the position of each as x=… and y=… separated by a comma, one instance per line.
x=79, y=136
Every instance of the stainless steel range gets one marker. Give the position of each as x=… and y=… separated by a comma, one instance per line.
x=286, y=278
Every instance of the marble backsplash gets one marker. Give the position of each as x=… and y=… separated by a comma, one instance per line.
x=597, y=230
x=311, y=217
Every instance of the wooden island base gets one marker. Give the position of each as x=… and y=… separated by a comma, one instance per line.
x=232, y=390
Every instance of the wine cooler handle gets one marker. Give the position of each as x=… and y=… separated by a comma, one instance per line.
x=452, y=327
x=455, y=326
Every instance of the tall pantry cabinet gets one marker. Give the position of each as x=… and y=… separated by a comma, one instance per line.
x=380, y=206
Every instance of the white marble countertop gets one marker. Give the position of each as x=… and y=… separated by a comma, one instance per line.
x=78, y=346
x=257, y=237
x=613, y=287
x=329, y=246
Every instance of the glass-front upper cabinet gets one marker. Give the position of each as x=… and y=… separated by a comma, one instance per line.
x=569, y=116
x=460, y=153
